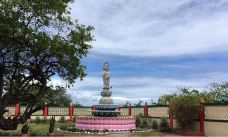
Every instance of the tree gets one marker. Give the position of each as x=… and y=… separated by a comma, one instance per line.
x=139, y=104
x=220, y=88
x=38, y=40
x=126, y=104
x=166, y=99
x=55, y=96
x=77, y=104
x=61, y=99
x=218, y=92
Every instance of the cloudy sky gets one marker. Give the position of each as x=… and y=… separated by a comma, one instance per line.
x=153, y=47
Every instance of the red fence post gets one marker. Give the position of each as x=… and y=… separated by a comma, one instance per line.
x=145, y=110
x=147, y=114
x=171, y=120
x=202, y=118
x=93, y=107
x=45, y=111
x=71, y=111
x=17, y=109
x=129, y=109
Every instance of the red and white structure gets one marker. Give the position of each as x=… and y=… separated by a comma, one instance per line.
x=122, y=123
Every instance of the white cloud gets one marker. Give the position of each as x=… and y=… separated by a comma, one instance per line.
x=155, y=28
x=152, y=29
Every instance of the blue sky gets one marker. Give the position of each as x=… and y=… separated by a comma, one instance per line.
x=153, y=47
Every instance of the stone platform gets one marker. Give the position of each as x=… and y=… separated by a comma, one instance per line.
x=121, y=123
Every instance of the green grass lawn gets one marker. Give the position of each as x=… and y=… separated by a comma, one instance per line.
x=35, y=129
x=42, y=130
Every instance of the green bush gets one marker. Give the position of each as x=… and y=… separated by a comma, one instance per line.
x=25, y=129
x=106, y=131
x=149, y=122
x=63, y=127
x=144, y=123
x=37, y=120
x=164, y=125
x=43, y=121
x=32, y=133
x=154, y=124
x=186, y=109
x=138, y=120
x=52, y=124
x=72, y=129
x=72, y=125
x=62, y=119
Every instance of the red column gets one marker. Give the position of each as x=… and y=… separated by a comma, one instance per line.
x=202, y=119
x=45, y=111
x=93, y=107
x=17, y=109
x=129, y=109
x=71, y=111
x=171, y=120
x=145, y=110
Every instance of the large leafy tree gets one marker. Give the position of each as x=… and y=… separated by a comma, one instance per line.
x=218, y=93
x=38, y=40
x=56, y=96
x=215, y=93
x=166, y=99
x=139, y=103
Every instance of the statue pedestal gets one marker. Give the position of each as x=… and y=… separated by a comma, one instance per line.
x=106, y=97
x=106, y=100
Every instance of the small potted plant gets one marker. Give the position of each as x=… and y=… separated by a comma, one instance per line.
x=52, y=126
x=24, y=130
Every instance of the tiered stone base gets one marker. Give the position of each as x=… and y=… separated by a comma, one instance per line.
x=121, y=123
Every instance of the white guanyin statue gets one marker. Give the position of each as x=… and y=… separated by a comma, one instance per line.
x=106, y=75
x=106, y=93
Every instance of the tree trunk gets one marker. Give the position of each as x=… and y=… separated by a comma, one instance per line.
x=2, y=109
x=1, y=80
x=11, y=123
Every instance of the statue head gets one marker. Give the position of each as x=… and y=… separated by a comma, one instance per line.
x=106, y=66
